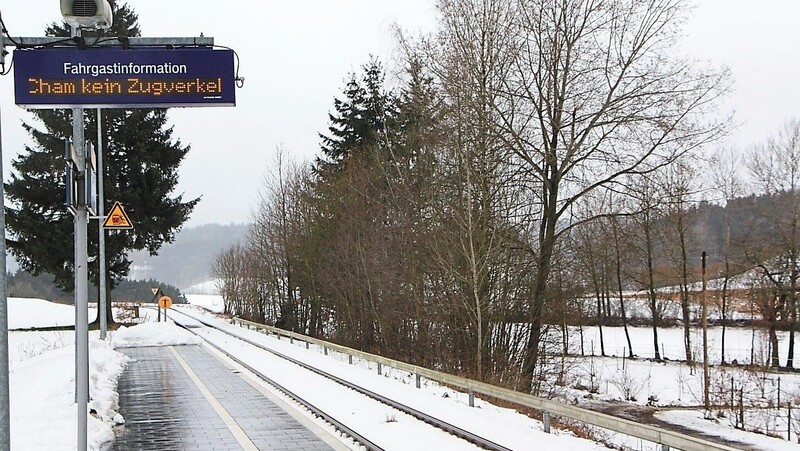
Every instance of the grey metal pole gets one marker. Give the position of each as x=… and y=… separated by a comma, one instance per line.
x=706, y=376
x=81, y=284
x=5, y=417
x=101, y=212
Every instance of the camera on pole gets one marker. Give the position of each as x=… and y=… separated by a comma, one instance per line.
x=87, y=13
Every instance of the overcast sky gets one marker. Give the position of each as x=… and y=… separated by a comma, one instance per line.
x=295, y=56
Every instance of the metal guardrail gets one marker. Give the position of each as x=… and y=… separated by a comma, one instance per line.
x=631, y=428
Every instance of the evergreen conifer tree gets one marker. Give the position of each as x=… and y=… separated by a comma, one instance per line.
x=365, y=121
x=141, y=171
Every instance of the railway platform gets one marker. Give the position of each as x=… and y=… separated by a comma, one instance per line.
x=186, y=398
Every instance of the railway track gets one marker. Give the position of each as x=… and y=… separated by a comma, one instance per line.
x=358, y=437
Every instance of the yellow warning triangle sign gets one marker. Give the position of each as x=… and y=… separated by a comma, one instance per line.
x=117, y=218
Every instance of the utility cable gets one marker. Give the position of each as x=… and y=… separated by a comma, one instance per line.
x=239, y=80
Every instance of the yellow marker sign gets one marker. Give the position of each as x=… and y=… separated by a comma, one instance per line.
x=165, y=302
x=117, y=219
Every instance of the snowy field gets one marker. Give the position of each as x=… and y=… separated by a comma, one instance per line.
x=673, y=383
x=42, y=383
x=738, y=343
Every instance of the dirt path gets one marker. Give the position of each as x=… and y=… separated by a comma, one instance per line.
x=646, y=415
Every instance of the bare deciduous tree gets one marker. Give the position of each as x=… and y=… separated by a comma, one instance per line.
x=775, y=169
x=725, y=167
x=596, y=95
x=678, y=187
x=470, y=56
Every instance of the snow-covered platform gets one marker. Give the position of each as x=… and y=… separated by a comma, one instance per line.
x=185, y=398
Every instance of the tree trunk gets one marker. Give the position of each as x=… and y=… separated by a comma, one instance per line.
x=547, y=239
x=773, y=341
x=600, y=324
x=724, y=309
x=791, y=315
x=727, y=278
x=651, y=288
x=618, y=255
x=687, y=341
x=599, y=300
x=790, y=357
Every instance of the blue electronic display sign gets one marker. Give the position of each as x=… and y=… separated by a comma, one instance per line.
x=117, y=78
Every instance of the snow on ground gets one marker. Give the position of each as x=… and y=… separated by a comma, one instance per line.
x=720, y=428
x=29, y=313
x=42, y=381
x=208, y=287
x=673, y=383
x=42, y=375
x=502, y=425
x=43, y=411
x=739, y=341
x=212, y=302
x=152, y=334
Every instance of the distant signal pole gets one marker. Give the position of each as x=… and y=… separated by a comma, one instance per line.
x=706, y=379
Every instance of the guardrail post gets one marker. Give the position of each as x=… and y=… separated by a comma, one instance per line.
x=380, y=369
x=306, y=345
x=325, y=350
x=471, y=398
x=663, y=439
x=291, y=340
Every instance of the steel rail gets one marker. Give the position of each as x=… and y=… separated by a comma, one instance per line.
x=671, y=439
x=355, y=436
x=422, y=416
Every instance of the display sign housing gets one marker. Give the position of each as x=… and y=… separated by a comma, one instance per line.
x=119, y=78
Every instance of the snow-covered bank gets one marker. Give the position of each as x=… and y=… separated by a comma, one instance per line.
x=152, y=334
x=42, y=375
x=43, y=411
x=208, y=287
x=211, y=302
